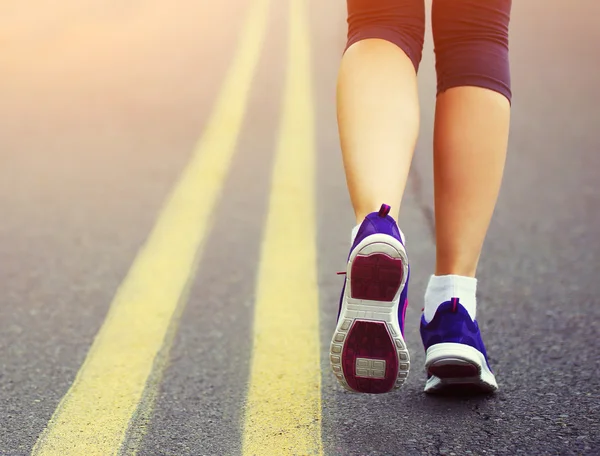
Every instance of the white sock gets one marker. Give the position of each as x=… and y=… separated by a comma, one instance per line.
x=442, y=289
x=355, y=232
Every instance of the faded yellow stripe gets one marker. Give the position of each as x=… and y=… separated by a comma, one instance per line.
x=283, y=410
x=93, y=417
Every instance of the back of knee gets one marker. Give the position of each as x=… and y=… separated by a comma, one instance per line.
x=401, y=22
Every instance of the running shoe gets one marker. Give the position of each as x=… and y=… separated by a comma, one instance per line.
x=367, y=352
x=456, y=359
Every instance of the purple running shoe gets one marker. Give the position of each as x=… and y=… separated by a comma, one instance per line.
x=456, y=359
x=367, y=352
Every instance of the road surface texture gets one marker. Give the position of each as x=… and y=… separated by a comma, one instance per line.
x=174, y=212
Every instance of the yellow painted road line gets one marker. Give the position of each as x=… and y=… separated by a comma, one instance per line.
x=94, y=415
x=283, y=410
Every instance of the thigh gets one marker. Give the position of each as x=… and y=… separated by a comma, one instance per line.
x=471, y=44
x=481, y=20
x=401, y=22
x=389, y=11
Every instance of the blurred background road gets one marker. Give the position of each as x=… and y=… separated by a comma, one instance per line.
x=102, y=106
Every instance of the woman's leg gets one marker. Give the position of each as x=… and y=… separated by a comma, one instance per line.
x=378, y=110
x=470, y=141
x=378, y=115
x=471, y=125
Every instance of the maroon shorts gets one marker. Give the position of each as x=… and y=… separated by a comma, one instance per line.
x=470, y=37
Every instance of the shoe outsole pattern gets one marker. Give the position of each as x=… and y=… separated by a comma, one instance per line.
x=367, y=352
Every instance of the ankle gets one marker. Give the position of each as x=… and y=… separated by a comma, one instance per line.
x=464, y=267
x=362, y=212
x=443, y=288
x=456, y=271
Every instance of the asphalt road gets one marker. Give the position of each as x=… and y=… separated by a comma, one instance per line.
x=101, y=107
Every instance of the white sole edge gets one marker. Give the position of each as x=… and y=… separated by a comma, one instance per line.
x=451, y=354
x=362, y=309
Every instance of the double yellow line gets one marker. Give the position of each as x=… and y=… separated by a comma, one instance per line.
x=284, y=400
x=283, y=407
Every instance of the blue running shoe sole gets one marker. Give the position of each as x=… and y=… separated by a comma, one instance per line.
x=454, y=367
x=367, y=351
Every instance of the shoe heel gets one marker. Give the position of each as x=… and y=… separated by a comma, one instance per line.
x=376, y=277
x=369, y=359
x=368, y=353
x=453, y=368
